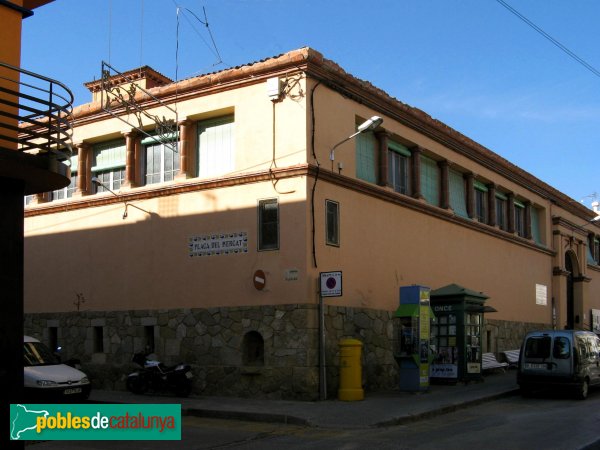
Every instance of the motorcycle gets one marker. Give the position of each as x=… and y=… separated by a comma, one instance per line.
x=73, y=362
x=156, y=376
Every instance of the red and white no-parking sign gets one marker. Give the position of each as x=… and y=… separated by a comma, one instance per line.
x=331, y=284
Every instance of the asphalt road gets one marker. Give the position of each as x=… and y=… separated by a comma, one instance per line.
x=546, y=422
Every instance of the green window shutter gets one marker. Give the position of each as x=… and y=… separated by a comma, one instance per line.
x=519, y=204
x=109, y=155
x=501, y=196
x=74, y=163
x=480, y=186
x=216, y=147
x=365, y=157
x=399, y=148
x=535, y=226
x=430, y=180
x=156, y=139
x=590, y=256
x=458, y=193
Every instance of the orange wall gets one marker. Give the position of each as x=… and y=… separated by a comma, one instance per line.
x=143, y=261
x=10, y=53
x=386, y=246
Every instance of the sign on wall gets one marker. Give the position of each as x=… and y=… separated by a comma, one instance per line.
x=218, y=244
x=541, y=294
x=596, y=320
x=331, y=284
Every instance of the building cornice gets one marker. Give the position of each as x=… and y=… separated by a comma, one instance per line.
x=163, y=190
x=366, y=93
x=301, y=170
x=559, y=221
x=391, y=196
x=332, y=75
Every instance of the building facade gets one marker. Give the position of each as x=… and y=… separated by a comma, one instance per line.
x=201, y=213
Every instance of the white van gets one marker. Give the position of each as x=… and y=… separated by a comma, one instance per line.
x=46, y=379
x=559, y=359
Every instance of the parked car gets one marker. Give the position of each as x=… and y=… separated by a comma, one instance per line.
x=559, y=359
x=47, y=380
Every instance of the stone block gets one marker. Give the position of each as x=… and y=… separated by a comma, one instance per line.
x=172, y=347
x=99, y=358
x=148, y=321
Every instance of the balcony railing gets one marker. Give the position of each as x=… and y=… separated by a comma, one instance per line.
x=35, y=112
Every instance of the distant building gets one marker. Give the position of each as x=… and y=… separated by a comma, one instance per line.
x=204, y=242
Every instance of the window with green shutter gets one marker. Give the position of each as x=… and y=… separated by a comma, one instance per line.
x=458, y=193
x=480, y=201
x=430, y=180
x=109, y=155
x=590, y=251
x=398, y=167
x=501, y=211
x=161, y=160
x=520, y=218
x=593, y=250
x=268, y=224
x=332, y=223
x=536, y=232
x=68, y=191
x=216, y=147
x=366, y=145
x=109, y=165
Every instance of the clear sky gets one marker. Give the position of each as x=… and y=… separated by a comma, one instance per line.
x=470, y=63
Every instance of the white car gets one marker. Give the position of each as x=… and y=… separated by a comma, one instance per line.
x=47, y=380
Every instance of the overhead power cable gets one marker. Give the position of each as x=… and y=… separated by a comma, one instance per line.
x=204, y=22
x=550, y=38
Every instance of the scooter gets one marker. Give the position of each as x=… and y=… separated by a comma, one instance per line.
x=156, y=376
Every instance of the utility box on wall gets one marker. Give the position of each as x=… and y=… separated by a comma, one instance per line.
x=411, y=338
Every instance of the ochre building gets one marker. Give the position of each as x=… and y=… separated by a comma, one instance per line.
x=201, y=213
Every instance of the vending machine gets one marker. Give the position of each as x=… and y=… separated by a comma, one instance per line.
x=412, y=330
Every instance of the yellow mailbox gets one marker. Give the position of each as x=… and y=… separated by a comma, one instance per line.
x=350, y=370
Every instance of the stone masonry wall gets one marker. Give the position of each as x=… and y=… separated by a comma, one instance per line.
x=212, y=341
x=509, y=335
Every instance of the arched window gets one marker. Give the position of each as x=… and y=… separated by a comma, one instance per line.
x=253, y=348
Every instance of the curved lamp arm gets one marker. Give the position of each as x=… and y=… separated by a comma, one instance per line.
x=367, y=125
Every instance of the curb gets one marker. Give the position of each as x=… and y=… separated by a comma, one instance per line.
x=297, y=418
x=246, y=416
x=443, y=410
x=294, y=420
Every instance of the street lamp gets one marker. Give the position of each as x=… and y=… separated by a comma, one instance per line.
x=97, y=181
x=368, y=125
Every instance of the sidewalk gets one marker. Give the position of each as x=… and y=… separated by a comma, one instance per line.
x=376, y=410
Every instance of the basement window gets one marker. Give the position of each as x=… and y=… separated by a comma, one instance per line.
x=253, y=348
